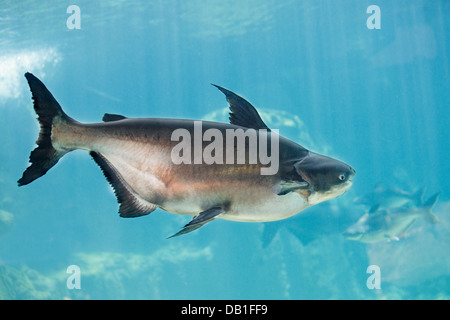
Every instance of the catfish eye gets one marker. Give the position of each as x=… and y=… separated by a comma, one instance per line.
x=342, y=177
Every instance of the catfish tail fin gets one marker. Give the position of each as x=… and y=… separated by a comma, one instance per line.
x=49, y=111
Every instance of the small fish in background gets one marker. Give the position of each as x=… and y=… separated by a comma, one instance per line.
x=381, y=224
x=384, y=197
x=319, y=222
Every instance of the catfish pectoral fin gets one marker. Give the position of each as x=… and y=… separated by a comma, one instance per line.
x=201, y=219
x=289, y=186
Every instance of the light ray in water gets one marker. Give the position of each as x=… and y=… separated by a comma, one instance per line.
x=14, y=64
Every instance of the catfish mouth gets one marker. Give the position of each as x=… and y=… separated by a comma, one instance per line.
x=352, y=175
x=344, y=185
x=341, y=188
x=349, y=182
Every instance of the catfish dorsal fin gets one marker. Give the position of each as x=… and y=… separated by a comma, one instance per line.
x=242, y=112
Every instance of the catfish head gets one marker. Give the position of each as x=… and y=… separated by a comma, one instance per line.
x=326, y=177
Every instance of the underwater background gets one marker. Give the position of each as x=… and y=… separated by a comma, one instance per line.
x=377, y=99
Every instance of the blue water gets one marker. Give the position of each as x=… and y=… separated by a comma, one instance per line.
x=377, y=99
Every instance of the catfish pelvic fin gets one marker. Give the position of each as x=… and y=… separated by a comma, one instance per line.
x=200, y=220
x=242, y=112
x=131, y=205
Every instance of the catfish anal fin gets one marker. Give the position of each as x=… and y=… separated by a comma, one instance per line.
x=242, y=112
x=130, y=205
x=200, y=220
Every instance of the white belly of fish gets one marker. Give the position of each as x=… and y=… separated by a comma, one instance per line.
x=247, y=200
x=274, y=208
x=270, y=207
